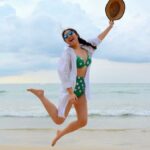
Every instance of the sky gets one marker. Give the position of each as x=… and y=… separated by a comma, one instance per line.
x=31, y=42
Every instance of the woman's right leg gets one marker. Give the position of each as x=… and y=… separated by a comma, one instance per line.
x=50, y=107
x=81, y=110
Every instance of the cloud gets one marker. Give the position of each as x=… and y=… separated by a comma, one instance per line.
x=129, y=43
x=31, y=33
x=7, y=10
x=31, y=43
x=43, y=27
x=15, y=64
x=50, y=76
x=119, y=72
x=129, y=39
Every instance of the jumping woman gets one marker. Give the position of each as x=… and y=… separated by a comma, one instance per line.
x=74, y=67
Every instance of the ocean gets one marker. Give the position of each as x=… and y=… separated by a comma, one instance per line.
x=111, y=105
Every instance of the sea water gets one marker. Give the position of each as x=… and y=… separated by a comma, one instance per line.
x=109, y=102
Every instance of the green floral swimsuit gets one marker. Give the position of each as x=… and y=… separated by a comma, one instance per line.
x=80, y=83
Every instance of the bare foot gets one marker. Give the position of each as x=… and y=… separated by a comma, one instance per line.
x=56, y=138
x=36, y=92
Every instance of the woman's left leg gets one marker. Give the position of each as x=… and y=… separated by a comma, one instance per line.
x=82, y=115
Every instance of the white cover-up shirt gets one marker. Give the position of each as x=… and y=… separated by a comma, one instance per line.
x=67, y=70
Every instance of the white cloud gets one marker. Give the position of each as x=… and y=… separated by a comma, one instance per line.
x=42, y=76
x=29, y=42
x=15, y=64
x=112, y=72
x=31, y=32
x=24, y=8
x=129, y=39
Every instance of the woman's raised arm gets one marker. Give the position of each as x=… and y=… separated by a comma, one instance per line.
x=106, y=31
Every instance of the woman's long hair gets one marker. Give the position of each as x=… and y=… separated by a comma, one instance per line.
x=81, y=41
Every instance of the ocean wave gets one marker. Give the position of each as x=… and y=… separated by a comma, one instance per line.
x=126, y=114
x=92, y=113
x=2, y=91
x=125, y=92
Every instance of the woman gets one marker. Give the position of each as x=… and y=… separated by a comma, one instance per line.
x=73, y=69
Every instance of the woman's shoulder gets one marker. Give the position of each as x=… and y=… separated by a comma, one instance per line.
x=67, y=49
x=94, y=41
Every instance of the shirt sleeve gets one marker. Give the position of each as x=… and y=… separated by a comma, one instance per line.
x=95, y=41
x=64, y=69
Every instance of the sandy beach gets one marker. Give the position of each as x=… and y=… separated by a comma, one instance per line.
x=82, y=140
x=109, y=138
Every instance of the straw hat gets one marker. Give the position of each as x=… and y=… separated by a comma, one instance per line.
x=115, y=9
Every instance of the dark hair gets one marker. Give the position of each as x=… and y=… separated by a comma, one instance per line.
x=81, y=41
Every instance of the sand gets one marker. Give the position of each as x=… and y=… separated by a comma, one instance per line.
x=99, y=134
x=109, y=139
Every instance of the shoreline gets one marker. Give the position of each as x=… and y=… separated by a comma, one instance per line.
x=94, y=123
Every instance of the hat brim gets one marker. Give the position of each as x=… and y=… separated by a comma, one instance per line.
x=118, y=6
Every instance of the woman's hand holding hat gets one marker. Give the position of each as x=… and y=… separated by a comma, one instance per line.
x=111, y=23
x=115, y=9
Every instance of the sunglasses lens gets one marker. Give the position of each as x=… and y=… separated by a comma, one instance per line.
x=68, y=34
x=65, y=36
x=71, y=33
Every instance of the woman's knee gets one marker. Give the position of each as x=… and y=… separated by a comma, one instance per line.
x=59, y=121
x=82, y=122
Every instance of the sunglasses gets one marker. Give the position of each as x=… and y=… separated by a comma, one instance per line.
x=68, y=34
